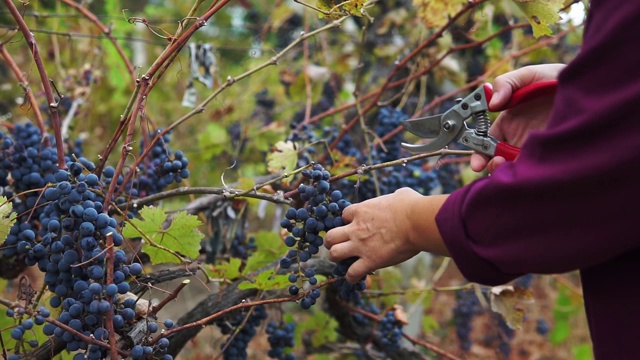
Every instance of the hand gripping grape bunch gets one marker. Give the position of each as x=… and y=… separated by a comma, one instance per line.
x=322, y=212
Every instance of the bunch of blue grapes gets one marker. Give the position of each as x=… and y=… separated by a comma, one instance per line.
x=367, y=306
x=390, y=332
x=27, y=324
x=158, y=351
x=281, y=336
x=160, y=169
x=322, y=212
x=240, y=332
x=466, y=309
x=63, y=229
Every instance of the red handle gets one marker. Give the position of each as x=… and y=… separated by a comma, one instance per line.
x=509, y=152
x=524, y=94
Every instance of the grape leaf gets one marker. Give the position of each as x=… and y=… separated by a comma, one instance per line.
x=7, y=218
x=266, y=280
x=507, y=301
x=437, y=13
x=353, y=7
x=229, y=270
x=284, y=158
x=541, y=14
x=270, y=248
x=181, y=236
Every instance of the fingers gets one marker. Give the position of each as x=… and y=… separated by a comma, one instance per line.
x=357, y=271
x=504, y=85
x=335, y=236
x=342, y=251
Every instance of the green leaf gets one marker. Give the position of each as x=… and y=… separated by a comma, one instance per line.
x=429, y=324
x=181, y=236
x=229, y=270
x=321, y=326
x=582, y=352
x=541, y=14
x=270, y=249
x=353, y=7
x=213, y=140
x=284, y=158
x=7, y=218
x=560, y=332
x=266, y=280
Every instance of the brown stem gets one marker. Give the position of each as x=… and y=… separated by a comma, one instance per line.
x=430, y=346
x=172, y=296
x=110, y=258
x=44, y=78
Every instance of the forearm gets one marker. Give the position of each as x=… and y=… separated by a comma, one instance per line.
x=425, y=234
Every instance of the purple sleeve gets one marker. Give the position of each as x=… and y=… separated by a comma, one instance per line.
x=572, y=199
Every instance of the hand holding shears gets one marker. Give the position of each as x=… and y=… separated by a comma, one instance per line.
x=451, y=126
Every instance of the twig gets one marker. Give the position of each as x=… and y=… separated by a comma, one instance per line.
x=226, y=192
x=44, y=78
x=430, y=346
x=110, y=259
x=172, y=296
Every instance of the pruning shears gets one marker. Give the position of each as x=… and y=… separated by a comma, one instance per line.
x=451, y=125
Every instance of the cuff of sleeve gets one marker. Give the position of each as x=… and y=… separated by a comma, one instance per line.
x=463, y=250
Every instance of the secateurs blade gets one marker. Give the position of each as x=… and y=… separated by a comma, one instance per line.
x=451, y=126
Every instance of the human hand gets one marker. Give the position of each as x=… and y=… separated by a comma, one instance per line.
x=386, y=231
x=513, y=125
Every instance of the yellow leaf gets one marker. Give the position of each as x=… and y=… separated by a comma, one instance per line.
x=7, y=218
x=508, y=301
x=541, y=14
x=435, y=13
x=284, y=158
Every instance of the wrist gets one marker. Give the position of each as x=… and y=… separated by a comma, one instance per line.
x=424, y=234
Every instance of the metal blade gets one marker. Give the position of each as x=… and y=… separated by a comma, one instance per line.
x=425, y=127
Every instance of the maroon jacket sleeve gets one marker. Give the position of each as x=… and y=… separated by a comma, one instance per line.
x=572, y=199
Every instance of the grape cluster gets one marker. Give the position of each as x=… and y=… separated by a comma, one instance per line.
x=390, y=332
x=18, y=333
x=467, y=307
x=281, y=336
x=236, y=348
x=160, y=169
x=63, y=229
x=322, y=212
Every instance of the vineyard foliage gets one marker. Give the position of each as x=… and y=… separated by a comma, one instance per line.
x=169, y=169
